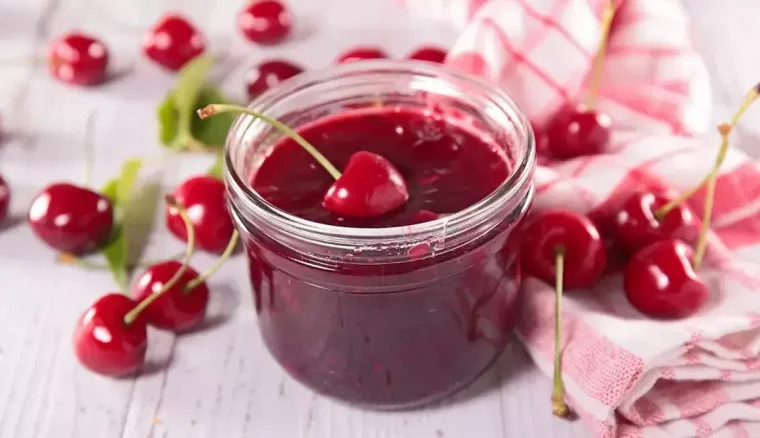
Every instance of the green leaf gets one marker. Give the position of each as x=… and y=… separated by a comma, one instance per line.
x=213, y=130
x=217, y=169
x=168, y=118
x=178, y=125
x=119, y=190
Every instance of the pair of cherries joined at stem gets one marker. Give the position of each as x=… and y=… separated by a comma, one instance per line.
x=111, y=335
x=660, y=278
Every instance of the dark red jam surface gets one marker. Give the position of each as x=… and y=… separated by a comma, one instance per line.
x=386, y=335
x=446, y=168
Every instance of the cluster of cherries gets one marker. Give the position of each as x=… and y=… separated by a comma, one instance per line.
x=82, y=59
x=111, y=335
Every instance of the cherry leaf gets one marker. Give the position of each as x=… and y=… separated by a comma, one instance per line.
x=178, y=126
x=119, y=190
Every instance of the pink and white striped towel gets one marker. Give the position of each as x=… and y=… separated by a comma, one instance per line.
x=627, y=375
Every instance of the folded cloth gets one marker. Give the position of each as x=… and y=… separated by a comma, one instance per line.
x=627, y=375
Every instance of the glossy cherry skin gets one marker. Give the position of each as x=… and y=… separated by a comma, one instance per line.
x=660, y=282
x=176, y=309
x=265, y=21
x=636, y=225
x=173, y=41
x=585, y=255
x=369, y=186
x=70, y=218
x=104, y=344
x=268, y=74
x=577, y=131
x=361, y=54
x=78, y=59
x=430, y=54
x=5, y=199
x=205, y=200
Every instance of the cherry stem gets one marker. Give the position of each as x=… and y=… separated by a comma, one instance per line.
x=210, y=271
x=596, y=68
x=559, y=407
x=211, y=110
x=171, y=202
x=724, y=129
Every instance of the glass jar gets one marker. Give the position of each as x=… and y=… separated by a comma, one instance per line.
x=384, y=317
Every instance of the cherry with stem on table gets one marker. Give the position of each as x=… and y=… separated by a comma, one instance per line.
x=172, y=295
x=77, y=58
x=265, y=21
x=564, y=248
x=369, y=186
x=204, y=196
x=581, y=129
x=173, y=41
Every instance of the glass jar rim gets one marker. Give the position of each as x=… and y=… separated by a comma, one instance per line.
x=453, y=223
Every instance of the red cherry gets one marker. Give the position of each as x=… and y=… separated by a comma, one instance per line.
x=430, y=54
x=268, y=74
x=577, y=131
x=585, y=255
x=660, y=281
x=70, y=218
x=5, y=199
x=177, y=309
x=369, y=186
x=636, y=225
x=265, y=21
x=79, y=59
x=104, y=343
x=361, y=54
x=204, y=198
x=173, y=41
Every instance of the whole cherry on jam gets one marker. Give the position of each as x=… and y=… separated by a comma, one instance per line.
x=179, y=307
x=173, y=41
x=430, y=54
x=660, y=281
x=105, y=343
x=580, y=129
x=362, y=54
x=267, y=74
x=265, y=21
x=79, y=59
x=205, y=200
x=369, y=186
x=641, y=222
x=565, y=248
x=5, y=199
x=70, y=218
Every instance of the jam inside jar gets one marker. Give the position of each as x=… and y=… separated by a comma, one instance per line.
x=400, y=310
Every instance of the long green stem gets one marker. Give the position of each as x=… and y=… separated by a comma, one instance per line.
x=214, y=109
x=725, y=129
x=596, y=69
x=210, y=271
x=130, y=317
x=559, y=407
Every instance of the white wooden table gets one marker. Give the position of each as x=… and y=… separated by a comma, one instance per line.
x=220, y=382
